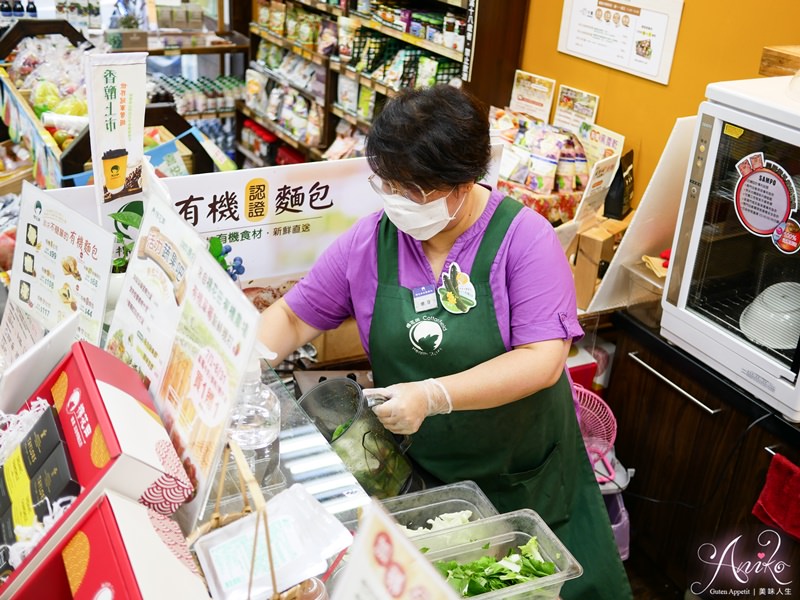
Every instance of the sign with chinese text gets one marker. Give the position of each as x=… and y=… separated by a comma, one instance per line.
x=143, y=325
x=532, y=95
x=599, y=142
x=573, y=107
x=116, y=94
x=637, y=36
x=215, y=338
x=383, y=564
x=62, y=264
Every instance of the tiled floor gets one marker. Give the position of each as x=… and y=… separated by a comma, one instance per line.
x=646, y=580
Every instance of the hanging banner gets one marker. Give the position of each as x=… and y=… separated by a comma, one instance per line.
x=636, y=36
x=115, y=89
x=62, y=264
x=278, y=220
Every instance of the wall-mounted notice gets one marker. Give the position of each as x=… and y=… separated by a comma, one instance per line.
x=636, y=36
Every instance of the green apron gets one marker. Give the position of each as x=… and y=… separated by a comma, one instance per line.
x=525, y=454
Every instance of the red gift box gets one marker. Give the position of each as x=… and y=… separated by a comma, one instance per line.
x=113, y=434
x=114, y=548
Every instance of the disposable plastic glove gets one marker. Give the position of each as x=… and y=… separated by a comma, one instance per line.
x=409, y=403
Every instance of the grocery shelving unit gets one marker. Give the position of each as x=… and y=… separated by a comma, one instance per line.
x=487, y=64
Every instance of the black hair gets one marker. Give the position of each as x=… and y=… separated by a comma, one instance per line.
x=434, y=137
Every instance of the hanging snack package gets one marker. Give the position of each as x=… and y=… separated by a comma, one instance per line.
x=308, y=30
x=426, y=72
x=565, y=170
x=315, y=117
x=366, y=103
x=581, y=165
x=274, y=102
x=328, y=37
x=293, y=16
x=277, y=17
x=347, y=94
x=346, y=39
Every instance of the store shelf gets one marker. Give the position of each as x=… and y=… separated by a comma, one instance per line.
x=256, y=66
x=175, y=44
x=211, y=114
x=279, y=132
x=248, y=154
x=322, y=7
x=349, y=117
x=306, y=53
x=366, y=21
x=337, y=67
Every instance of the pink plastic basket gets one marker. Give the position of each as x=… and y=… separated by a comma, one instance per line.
x=598, y=428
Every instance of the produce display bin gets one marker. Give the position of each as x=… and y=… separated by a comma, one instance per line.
x=495, y=536
x=413, y=510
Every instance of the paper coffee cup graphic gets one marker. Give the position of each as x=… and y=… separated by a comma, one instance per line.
x=115, y=168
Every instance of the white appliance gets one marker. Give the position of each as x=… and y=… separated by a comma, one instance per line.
x=732, y=295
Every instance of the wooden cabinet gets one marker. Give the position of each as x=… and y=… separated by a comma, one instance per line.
x=697, y=445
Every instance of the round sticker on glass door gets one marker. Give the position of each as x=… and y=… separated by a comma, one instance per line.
x=787, y=237
x=765, y=195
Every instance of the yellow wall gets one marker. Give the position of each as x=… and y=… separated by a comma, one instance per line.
x=717, y=40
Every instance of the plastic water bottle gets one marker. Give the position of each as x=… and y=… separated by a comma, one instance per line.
x=256, y=423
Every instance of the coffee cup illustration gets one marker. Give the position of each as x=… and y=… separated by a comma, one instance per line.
x=115, y=168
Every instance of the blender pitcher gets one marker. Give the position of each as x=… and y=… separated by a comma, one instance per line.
x=372, y=453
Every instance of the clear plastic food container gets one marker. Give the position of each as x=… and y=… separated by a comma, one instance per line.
x=415, y=509
x=495, y=536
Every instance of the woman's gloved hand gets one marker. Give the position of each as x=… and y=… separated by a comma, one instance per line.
x=409, y=403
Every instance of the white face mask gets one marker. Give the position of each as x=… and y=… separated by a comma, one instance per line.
x=420, y=221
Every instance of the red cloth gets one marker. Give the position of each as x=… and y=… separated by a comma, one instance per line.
x=778, y=505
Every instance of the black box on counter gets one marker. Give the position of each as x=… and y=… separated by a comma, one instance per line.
x=41, y=441
x=5, y=498
x=7, y=528
x=28, y=458
x=54, y=480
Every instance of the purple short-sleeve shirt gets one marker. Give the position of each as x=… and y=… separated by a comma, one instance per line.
x=532, y=285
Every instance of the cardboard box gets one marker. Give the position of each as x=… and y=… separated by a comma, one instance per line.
x=340, y=345
x=115, y=548
x=113, y=434
x=595, y=245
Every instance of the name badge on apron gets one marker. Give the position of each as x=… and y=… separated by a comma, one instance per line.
x=456, y=293
x=424, y=298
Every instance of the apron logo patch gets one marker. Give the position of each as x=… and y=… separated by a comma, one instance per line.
x=425, y=335
x=457, y=294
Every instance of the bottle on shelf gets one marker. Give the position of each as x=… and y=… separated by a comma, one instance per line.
x=5, y=8
x=30, y=10
x=18, y=9
x=256, y=423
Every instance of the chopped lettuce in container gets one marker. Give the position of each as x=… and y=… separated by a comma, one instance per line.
x=488, y=574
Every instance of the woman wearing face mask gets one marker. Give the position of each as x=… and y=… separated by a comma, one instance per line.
x=465, y=304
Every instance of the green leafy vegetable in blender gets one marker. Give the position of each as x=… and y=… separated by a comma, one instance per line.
x=488, y=574
x=341, y=429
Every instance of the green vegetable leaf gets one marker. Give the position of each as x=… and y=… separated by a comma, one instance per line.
x=488, y=573
x=129, y=218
